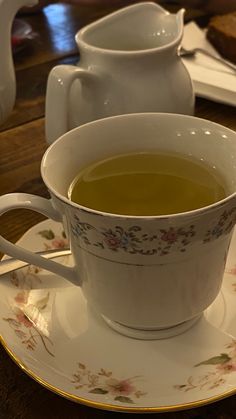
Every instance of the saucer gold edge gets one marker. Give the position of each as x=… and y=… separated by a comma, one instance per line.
x=106, y=406
x=110, y=407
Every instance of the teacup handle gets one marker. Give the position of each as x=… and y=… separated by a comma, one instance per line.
x=59, y=83
x=43, y=206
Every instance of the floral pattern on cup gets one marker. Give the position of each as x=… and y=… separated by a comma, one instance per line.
x=28, y=322
x=223, y=364
x=224, y=225
x=133, y=240
x=102, y=383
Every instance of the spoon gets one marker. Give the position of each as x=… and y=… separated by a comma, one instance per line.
x=11, y=264
x=183, y=52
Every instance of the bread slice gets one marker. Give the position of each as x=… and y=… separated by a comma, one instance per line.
x=222, y=34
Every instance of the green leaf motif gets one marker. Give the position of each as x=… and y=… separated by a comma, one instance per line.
x=215, y=360
x=98, y=391
x=123, y=399
x=47, y=234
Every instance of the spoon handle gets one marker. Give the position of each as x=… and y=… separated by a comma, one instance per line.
x=219, y=59
x=191, y=52
x=11, y=264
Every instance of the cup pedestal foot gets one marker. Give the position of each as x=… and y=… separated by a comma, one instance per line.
x=152, y=334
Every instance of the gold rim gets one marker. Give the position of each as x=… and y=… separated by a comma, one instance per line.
x=107, y=406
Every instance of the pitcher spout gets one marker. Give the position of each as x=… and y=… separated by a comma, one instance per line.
x=8, y=10
x=180, y=25
x=141, y=26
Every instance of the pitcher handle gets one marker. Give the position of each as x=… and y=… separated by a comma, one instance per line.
x=59, y=83
x=43, y=206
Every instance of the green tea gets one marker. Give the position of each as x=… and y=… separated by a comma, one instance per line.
x=147, y=183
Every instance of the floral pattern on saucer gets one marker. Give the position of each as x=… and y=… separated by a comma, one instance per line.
x=232, y=271
x=103, y=382
x=223, y=364
x=27, y=319
x=28, y=322
x=54, y=241
x=56, y=346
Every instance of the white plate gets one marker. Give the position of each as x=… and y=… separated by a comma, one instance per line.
x=51, y=333
x=211, y=80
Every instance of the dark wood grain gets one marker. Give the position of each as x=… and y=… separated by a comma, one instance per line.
x=30, y=97
x=21, y=151
x=22, y=144
x=53, y=35
x=216, y=112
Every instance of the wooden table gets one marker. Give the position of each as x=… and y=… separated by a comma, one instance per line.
x=22, y=144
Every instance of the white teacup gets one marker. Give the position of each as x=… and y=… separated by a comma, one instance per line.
x=149, y=277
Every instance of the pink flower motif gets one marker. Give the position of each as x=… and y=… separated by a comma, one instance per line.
x=113, y=242
x=59, y=243
x=21, y=297
x=23, y=319
x=122, y=387
x=169, y=236
x=231, y=271
x=227, y=367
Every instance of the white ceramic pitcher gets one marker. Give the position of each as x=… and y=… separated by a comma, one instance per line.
x=8, y=10
x=128, y=63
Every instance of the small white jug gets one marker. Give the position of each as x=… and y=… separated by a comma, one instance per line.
x=8, y=10
x=128, y=63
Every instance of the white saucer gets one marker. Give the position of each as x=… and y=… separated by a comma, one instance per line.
x=67, y=348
